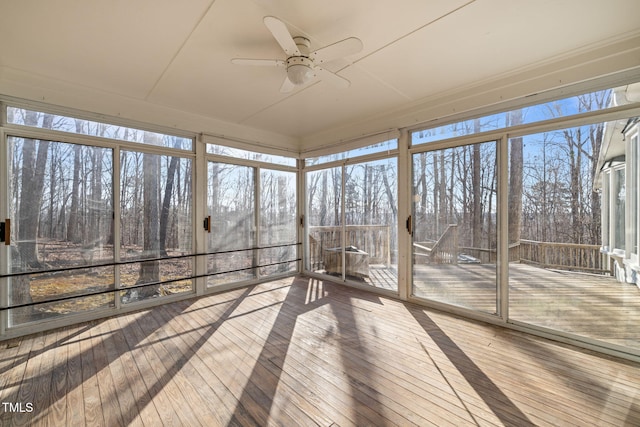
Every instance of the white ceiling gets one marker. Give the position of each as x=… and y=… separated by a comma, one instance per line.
x=177, y=54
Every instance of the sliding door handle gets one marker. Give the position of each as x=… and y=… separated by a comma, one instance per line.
x=5, y=232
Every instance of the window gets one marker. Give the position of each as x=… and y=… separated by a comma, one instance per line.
x=278, y=224
x=381, y=147
x=253, y=215
x=61, y=203
x=619, y=196
x=155, y=222
x=632, y=210
x=31, y=118
x=455, y=226
x=351, y=226
x=223, y=150
x=536, y=113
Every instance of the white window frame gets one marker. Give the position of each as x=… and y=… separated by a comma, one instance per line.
x=632, y=178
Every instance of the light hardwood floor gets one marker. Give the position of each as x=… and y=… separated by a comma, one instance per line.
x=302, y=352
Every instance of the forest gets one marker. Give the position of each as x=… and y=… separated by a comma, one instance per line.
x=551, y=195
x=62, y=198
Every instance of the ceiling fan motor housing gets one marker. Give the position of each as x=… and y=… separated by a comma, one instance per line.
x=300, y=68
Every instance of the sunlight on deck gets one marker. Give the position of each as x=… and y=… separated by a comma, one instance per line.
x=588, y=305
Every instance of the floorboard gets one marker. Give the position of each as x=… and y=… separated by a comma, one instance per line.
x=305, y=352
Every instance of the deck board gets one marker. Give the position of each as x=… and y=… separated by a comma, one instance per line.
x=302, y=351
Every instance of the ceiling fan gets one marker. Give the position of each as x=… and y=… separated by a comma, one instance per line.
x=302, y=64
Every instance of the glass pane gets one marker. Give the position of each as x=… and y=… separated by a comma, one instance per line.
x=324, y=220
x=536, y=113
x=155, y=219
x=371, y=207
x=61, y=206
x=380, y=147
x=633, y=195
x=559, y=274
x=231, y=204
x=455, y=238
x=21, y=116
x=278, y=225
x=250, y=155
x=619, y=209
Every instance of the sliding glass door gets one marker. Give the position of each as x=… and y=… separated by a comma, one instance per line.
x=455, y=226
x=61, y=227
x=251, y=223
x=324, y=221
x=352, y=222
x=231, y=224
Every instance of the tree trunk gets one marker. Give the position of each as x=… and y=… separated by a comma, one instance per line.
x=73, y=232
x=516, y=161
x=34, y=163
x=477, y=198
x=150, y=270
x=166, y=204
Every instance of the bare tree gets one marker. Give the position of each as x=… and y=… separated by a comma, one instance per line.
x=150, y=270
x=516, y=159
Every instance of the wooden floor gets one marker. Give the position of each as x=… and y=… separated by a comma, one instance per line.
x=302, y=352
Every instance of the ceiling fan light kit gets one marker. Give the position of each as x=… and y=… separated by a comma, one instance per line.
x=301, y=63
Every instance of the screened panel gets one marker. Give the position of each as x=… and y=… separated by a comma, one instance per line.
x=238, y=153
x=278, y=225
x=455, y=226
x=61, y=206
x=371, y=207
x=231, y=205
x=155, y=222
x=324, y=221
x=560, y=275
x=380, y=147
x=536, y=113
x=25, y=117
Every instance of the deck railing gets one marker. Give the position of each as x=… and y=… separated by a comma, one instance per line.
x=375, y=240
x=443, y=251
x=560, y=256
x=563, y=256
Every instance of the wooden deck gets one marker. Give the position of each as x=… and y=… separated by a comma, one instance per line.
x=302, y=352
x=588, y=305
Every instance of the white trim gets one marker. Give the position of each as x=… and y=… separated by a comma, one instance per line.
x=218, y=158
x=248, y=145
x=582, y=119
x=301, y=216
x=20, y=131
x=200, y=176
x=4, y=249
x=117, y=235
x=502, y=262
x=352, y=160
x=405, y=208
x=351, y=143
x=257, y=206
x=43, y=107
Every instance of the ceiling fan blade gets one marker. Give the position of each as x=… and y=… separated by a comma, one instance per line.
x=282, y=35
x=287, y=86
x=332, y=78
x=337, y=50
x=259, y=62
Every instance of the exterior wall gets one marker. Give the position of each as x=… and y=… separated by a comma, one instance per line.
x=621, y=207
